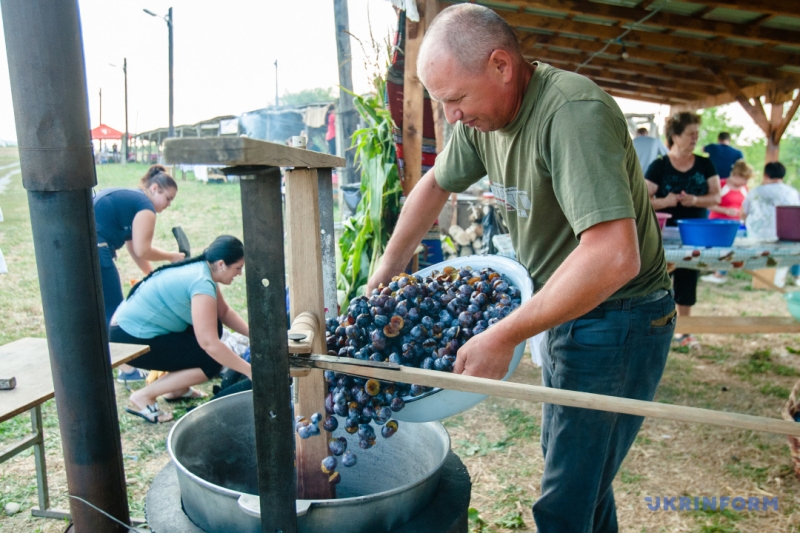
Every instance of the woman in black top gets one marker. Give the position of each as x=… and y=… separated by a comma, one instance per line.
x=685, y=186
x=128, y=217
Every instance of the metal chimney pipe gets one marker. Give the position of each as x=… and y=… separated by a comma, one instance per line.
x=48, y=87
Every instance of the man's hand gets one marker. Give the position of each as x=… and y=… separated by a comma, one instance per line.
x=383, y=275
x=484, y=356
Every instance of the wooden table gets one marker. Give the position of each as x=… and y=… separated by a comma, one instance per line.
x=28, y=360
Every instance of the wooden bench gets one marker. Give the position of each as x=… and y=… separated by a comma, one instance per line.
x=28, y=360
x=737, y=324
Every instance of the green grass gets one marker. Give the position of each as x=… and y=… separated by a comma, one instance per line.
x=760, y=362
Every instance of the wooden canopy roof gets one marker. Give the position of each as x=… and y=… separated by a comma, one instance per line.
x=689, y=55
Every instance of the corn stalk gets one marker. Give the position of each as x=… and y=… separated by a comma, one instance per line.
x=366, y=233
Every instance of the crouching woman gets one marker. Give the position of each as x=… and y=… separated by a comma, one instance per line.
x=178, y=310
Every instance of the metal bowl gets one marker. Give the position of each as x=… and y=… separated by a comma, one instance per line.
x=213, y=448
x=439, y=404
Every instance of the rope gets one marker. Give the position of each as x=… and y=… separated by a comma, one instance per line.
x=106, y=514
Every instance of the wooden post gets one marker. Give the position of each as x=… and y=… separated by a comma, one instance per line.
x=346, y=115
x=266, y=309
x=431, y=10
x=306, y=294
x=413, y=104
x=779, y=122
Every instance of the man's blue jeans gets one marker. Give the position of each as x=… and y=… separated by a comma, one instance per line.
x=618, y=349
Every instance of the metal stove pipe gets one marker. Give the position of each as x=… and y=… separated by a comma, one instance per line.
x=48, y=86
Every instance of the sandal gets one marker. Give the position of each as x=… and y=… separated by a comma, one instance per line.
x=150, y=413
x=191, y=394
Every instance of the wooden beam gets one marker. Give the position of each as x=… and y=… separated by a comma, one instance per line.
x=756, y=112
x=700, y=77
x=773, y=141
x=600, y=31
x=737, y=325
x=233, y=151
x=306, y=294
x=413, y=104
x=642, y=81
x=659, y=56
x=664, y=19
x=672, y=95
x=781, y=129
x=652, y=98
x=751, y=91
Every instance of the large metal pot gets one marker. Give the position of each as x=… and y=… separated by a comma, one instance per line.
x=213, y=448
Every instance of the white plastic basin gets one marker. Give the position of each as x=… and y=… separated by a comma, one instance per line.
x=440, y=403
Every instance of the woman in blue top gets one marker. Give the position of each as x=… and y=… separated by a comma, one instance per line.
x=128, y=217
x=178, y=310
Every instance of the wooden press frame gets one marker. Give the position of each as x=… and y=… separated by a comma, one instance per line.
x=308, y=254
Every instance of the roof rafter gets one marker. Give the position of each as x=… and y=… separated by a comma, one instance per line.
x=558, y=25
x=657, y=56
x=652, y=98
x=700, y=77
x=641, y=81
x=665, y=19
x=669, y=93
x=773, y=7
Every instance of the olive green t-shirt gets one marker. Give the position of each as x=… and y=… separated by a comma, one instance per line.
x=564, y=164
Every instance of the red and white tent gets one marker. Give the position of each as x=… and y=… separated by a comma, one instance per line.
x=103, y=132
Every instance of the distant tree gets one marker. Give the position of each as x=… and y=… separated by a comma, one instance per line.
x=309, y=96
x=714, y=120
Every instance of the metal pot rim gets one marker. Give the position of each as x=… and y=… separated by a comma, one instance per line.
x=328, y=503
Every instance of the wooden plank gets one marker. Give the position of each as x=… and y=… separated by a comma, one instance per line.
x=413, y=104
x=534, y=393
x=306, y=296
x=232, y=151
x=737, y=324
x=28, y=360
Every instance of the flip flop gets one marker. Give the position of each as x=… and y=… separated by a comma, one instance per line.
x=191, y=394
x=150, y=414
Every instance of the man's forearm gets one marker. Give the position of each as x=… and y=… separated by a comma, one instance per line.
x=419, y=213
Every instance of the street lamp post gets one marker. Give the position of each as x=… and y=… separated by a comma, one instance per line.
x=125, y=138
x=168, y=20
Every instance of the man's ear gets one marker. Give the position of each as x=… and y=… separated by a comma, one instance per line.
x=500, y=63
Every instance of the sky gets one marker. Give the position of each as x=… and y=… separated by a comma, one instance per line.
x=224, y=55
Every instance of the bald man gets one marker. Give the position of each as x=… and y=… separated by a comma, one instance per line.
x=564, y=170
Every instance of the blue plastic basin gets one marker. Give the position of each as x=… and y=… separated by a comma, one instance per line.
x=704, y=232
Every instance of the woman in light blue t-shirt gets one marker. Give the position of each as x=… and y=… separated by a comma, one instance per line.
x=178, y=310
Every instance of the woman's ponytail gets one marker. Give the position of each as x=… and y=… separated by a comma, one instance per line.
x=157, y=174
